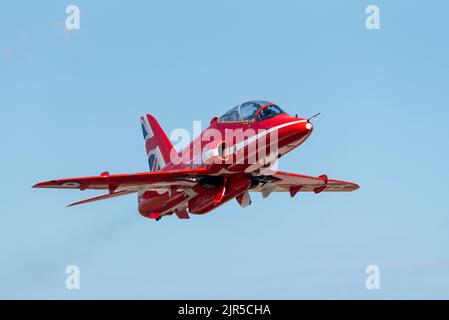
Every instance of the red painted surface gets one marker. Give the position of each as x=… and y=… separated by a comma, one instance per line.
x=211, y=171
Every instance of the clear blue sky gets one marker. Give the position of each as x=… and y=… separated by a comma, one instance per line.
x=70, y=104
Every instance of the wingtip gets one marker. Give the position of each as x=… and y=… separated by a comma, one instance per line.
x=45, y=184
x=38, y=185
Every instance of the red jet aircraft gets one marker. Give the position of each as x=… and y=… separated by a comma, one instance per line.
x=232, y=157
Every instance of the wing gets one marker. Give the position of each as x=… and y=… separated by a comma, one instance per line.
x=122, y=184
x=130, y=182
x=280, y=181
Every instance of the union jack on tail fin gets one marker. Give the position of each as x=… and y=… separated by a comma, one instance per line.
x=157, y=144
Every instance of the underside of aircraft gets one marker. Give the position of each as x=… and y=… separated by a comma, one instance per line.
x=232, y=158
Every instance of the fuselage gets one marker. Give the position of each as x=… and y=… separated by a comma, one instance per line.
x=236, y=151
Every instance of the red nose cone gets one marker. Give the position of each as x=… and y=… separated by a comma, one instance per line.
x=302, y=130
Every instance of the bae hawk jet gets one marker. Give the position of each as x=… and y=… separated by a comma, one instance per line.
x=232, y=158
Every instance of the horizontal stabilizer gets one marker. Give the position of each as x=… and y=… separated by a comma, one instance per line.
x=103, y=197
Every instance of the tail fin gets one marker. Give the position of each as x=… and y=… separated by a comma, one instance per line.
x=157, y=144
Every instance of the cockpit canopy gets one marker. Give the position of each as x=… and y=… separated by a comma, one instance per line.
x=247, y=111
